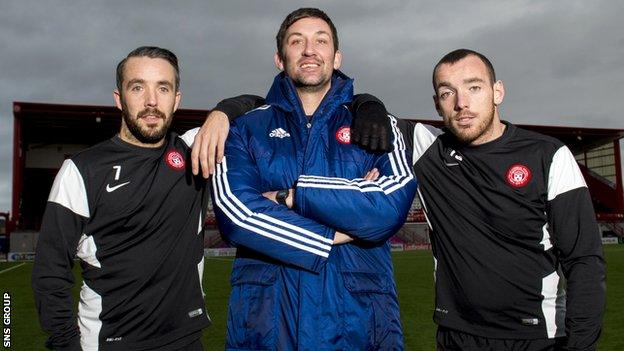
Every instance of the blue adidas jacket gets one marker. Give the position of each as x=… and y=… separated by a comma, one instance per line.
x=291, y=288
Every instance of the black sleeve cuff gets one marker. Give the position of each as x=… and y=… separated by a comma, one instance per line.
x=72, y=345
x=239, y=105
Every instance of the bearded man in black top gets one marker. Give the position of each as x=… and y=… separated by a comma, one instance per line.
x=133, y=214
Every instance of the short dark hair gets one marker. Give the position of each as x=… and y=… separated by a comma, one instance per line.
x=456, y=55
x=151, y=52
x=304, y=12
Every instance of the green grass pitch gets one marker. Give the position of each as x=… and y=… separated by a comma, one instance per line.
x=414, y=275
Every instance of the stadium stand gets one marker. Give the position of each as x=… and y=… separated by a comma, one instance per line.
x=46, y=134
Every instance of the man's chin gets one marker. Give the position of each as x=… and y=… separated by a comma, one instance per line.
x=311, y=85
x=464, y=135
x=151, y=139
x=150, y=135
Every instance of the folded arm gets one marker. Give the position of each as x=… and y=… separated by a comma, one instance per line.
x=370, y=210
x=247, y=218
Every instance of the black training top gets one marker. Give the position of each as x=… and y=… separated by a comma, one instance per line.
x=133, y=216
x=511, y=220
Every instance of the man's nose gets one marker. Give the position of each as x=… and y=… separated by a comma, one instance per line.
x=309, y=49
x=462, y=101
x=150, y=98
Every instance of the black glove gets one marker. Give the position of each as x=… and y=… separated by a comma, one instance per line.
x=370, y=128
x=239, y=105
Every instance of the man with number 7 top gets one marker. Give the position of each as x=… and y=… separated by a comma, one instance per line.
x=131, y=211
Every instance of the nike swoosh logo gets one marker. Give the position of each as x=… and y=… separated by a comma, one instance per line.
x=110, y=189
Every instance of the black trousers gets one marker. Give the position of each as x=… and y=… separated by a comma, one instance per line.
x=454, y=340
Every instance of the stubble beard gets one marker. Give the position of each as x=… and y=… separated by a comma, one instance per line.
x=468, y=136
x=310, y=85
x=146, y=134
x=307, y=86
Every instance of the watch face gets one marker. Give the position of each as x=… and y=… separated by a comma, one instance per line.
x=281, y=196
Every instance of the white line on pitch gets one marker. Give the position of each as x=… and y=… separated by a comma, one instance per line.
x=11, y=268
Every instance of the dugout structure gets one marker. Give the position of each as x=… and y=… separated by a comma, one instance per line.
x=46, y=134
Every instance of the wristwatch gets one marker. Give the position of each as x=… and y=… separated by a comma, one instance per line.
x=281, y=196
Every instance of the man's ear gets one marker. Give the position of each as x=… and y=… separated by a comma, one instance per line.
x=117, y=97
x=337, y=59
x=278, y=61
x=178, y=98
x=436, y=103
x=499, y=92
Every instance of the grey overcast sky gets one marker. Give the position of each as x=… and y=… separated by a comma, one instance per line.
x=561, y=60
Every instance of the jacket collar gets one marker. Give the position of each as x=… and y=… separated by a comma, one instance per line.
x=283, y=95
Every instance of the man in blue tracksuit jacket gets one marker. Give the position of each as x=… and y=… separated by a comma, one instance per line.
x=313, y=267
